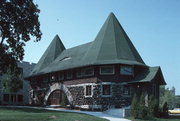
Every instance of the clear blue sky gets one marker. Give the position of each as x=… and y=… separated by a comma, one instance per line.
x=152, y=25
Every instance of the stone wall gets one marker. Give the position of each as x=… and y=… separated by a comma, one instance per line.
x=116, y=99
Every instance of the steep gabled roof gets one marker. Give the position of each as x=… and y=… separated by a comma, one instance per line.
x=112, y=44
x=55, y=48
x=149, y=75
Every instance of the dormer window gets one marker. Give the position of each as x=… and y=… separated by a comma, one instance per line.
x=65, y=58
x=126, y=70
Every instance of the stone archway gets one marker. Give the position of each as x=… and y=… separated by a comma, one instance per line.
x=58, y=86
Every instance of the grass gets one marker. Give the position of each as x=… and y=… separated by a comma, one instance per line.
x=171, y=118
x=28, y=114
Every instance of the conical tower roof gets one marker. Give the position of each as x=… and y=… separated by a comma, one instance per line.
x=112, y=45
x=52, y=52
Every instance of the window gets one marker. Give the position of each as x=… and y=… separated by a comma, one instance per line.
x=106, y=70
x=69, y=75
x=78, y=73
x=20, y=98
x=6, y=97
x=13, y=98
x=106, y=90
x=65, y=58
x=60, y=76
x=33, y=94
x=88, y=71
x=126, y=70
x=85, y=72
x=88, y=90
x=126, y=90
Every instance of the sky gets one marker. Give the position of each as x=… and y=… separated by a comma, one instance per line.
x=152, y=25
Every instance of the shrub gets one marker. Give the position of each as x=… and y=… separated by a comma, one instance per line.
x=152, y=106
x=143, y=110
x=165, y=110
x=134, y=106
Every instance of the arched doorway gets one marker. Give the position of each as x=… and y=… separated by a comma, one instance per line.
x=58, y=97
x=55, y=91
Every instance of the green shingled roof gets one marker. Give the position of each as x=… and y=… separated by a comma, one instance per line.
x=111, y=46
x=149, y=75
x=52, y=52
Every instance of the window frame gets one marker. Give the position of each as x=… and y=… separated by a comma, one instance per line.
x=85, y=90
x=103, y=84
x=106, y=73
x=83, y=72
x=123, y=66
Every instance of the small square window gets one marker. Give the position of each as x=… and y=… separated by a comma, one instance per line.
x=126, y=70
x=106, y=70
x=106, y=89
x=88, y=90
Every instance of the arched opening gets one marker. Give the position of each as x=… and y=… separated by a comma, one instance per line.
x=58, y=97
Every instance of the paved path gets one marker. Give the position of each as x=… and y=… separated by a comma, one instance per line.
x=97, y=114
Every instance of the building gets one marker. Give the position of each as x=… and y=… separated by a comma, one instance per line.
x=101, y=74
x=22, y=96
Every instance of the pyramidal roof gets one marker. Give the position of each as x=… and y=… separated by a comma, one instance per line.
x=52, y=52
x=113, y=44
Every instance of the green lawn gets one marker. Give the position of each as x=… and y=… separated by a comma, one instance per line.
x=171, y=118
x=27, y=114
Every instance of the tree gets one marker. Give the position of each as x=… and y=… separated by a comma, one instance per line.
x=10, y=78
x=152, y=106
x=167, y=95
x=177, y=101
x=18, y=24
